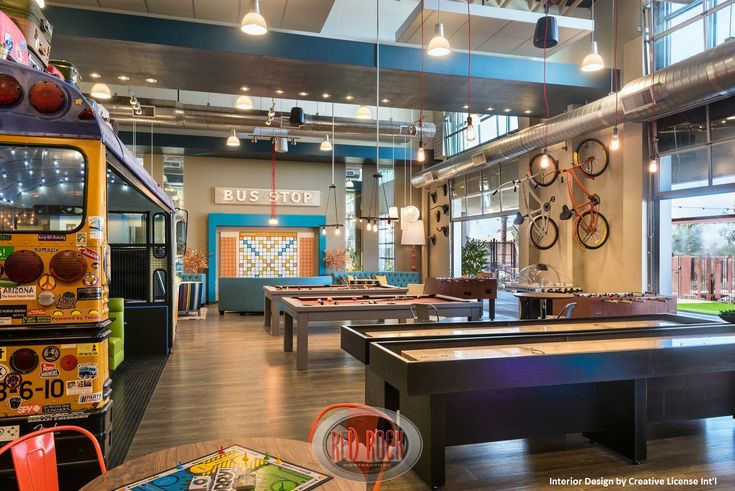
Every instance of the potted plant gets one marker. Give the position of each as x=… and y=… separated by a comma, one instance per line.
x=474, y=257
x=195, y=261
x=336, y=259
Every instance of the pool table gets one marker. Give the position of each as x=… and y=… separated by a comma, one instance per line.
x=274, y=294
x=460, y=391
x=303, y=310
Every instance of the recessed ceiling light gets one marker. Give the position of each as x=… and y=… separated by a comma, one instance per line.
x=244, y=88
x=385, y=101
x=95, y=75
x=490, y=109
x=528, y=111
x=151, y=80
x=303, y=94
x=349, y=97
x=326, y=95
x=507, y=110
x=279, y=91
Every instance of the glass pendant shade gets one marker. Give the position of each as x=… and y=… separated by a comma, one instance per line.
x=439, y=45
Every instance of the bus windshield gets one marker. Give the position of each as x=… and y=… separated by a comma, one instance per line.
x=41, y=189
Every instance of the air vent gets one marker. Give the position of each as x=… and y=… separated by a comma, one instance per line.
x=145, y=112
x=640, y=100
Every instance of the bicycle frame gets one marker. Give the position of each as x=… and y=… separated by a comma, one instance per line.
x=578, y=208
x=543, y=210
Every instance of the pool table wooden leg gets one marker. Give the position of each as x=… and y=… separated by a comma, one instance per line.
x=427, y=413
x=628, y=435
x=287, y=332
x=275, y=321
x=302, y=342
x=266, y=312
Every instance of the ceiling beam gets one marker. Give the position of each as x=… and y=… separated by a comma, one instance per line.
x=570, y=8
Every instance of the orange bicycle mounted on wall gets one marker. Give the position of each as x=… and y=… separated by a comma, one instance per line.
x=591, y=226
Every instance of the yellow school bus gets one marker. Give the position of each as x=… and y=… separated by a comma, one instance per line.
x=80, y=222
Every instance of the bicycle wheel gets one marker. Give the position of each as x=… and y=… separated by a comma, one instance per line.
x=593, y=156
x=540, y=175
x=593, y=229
x=544, y=232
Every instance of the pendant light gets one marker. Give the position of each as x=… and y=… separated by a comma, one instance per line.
x=438, y=46
x=101, y=91
x=363, y=112
x=420, y=155
x=332, y=194
x=233, y=140
x=653, y=166
x=409, y=213
x=615, y=140
x=545, y=161
x=253, y=23
x=41, y=3
x=593, y=61
x=281, y=145
x=326, y=145
x=244, y=103
x=546, y=33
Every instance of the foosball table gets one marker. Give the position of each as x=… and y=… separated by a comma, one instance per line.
x=465, y=287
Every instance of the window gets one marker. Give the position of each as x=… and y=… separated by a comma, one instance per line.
x=127, y=228
x=682, y=29
x=487, y=192
x=353, y=199
x=41, y=189
x=488, y=127
x=386, y=231
x=173, y=179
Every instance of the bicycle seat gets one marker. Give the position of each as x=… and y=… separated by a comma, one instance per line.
x=566, y=213
x=518, y=220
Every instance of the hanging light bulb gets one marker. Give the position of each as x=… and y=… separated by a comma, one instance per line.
x=363, y=112
x=253, y=23
x=593, y=61
x=273, y=221
x=421, y=155
x=41, y=3
x=101, y=91
x=244, y=102
x=470, y=135
x=545, y=162
x=438, y=46
x=326, y=145
x=337, y=231
x=615, y=140
x=324, y=231
x=653, y=166
x=233, y=140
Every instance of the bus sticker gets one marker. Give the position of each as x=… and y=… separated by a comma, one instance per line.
x=78, y=387
x=6, y=237
x=96, y=227
x=18, y=293
x=52, y=237
x=5, y=251
x=13, y=311
x=88, y=349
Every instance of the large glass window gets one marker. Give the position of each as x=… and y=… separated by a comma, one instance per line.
x=487, y=127
x=487, y=192
x=127, y=228
x=41, y=189
x=386, y=231
x=173, y=179
x=353, y=202
x=684, y=29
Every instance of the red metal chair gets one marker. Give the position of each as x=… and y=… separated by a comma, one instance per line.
x=34, y=458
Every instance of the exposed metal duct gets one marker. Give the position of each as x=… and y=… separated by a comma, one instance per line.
x=195, y=117
x=693, y=82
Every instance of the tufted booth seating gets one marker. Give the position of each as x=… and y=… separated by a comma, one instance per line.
x=201, y=278
x=395, y=278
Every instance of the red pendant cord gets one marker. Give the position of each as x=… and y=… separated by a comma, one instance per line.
x=421, y=102
x=546, y=98
x=273, y=178
x=469, y=56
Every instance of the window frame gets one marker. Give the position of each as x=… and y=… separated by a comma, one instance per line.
x=83, y=216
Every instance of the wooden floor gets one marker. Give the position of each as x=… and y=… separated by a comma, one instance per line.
x=228, y=378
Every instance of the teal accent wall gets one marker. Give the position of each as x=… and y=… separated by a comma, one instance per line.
x=244, y=220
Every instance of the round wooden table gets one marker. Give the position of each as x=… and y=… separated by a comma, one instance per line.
x=296, y=452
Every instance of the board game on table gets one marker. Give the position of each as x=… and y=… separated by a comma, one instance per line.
x=223, y=470
x=274, y=293
x=356, y=340
x=299, y=312
x=470, y=390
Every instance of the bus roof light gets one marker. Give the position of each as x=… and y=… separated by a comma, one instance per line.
x=10, y=90
x=47, y=97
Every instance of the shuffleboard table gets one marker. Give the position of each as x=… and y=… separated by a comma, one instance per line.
x=301, y=311
x=356, y=339
x=471, y=390
x=274, y=293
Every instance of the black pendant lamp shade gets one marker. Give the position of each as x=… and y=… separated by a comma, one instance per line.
x=546, y=34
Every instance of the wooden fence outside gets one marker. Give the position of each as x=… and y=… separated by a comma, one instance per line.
x=704, y=277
